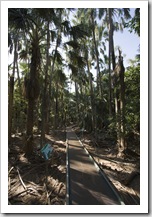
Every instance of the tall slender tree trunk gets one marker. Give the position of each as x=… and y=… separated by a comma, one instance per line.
x=120, y=105
x=44, y=104
x=52, y=70
x=63, y=104
x=77, y=101
x=110, y=97
x=56, y=108
x=97, y=55
x=10, y=108
x=111, y=55
x=32, y=90
x=29, y=127
x=99, y=83
x=18, y=76
x=11, y=95
x=92, y=97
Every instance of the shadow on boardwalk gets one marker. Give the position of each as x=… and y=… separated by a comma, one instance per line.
x=86, y=185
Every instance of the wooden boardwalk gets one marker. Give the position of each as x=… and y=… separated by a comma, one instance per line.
x=85, y=184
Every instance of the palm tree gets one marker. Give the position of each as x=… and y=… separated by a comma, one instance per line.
x=120, y=105
x=75, y=58
x=134, y=23
x=59, y=84
x=18, y=23
x=31, y=86
x=11, y=92
x=48, y=16
x=96, y=42
x=92, y=15
x=112, y=26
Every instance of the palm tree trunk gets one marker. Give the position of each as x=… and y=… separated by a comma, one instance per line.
x=56, y=108
x=122, y=108
x=10, y=108
x=11, y=92
x=120, y=105
x=117, y=112
x=44, y=104
x=29, y=127
x=111, y=55
x=63, y=107
x=18, y=76
x=110, y=97
x=77, y=101
x=33, y=91
x=52, y=70
x=92, y=97
x=97, y=56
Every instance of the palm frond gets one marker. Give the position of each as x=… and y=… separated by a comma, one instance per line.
x=73, y=69
x=78, y=31
x=66, y=25
x=59, y=58
x=53, y=35
x=23, y=54
x=101, y=13
x=73, y=44
x=19, y=18
x=126, y=12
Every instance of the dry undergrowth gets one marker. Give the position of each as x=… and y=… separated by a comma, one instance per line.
x=30, y=183
x=33, y=181
x=123, y=173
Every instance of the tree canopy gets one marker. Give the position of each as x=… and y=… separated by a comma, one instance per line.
x=52, y=52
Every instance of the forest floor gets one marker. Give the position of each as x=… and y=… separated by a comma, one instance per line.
x=34, y=181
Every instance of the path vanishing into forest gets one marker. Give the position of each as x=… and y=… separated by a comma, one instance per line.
x=86, y=183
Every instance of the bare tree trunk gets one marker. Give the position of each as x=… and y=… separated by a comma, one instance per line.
x=63, y=105
x=11, y=93
x=97, y=56
x=111, y=55
x=44, y=104
x=92, y=98
x=77, y=101
x=56, y=107
x=32, y=92
x=52, y=71
x=120, y=105
x=19, y=80
x=29, y=132
x=110, y=97
x=10, y=108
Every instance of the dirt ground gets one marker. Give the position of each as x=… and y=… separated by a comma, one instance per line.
x=34, y=181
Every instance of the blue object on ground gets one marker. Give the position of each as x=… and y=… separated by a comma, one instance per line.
x=47, y=151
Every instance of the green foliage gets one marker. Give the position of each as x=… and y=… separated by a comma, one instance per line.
x=134, y=23
x=41, y=51
x=19, y=110
x=132, y=83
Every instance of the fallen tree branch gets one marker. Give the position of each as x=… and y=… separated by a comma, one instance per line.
x=20, y=178
x=10, y=170
x=16, y=195
x=28, y=190
x=9, y=183
x=18, y=182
